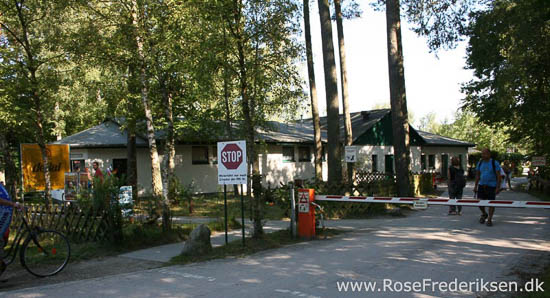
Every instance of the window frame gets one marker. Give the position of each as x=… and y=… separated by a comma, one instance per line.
x=431, y=160
x=392, y=164
x=293, y=154
x=201, y=161
x=423, y=162
x=308, y=159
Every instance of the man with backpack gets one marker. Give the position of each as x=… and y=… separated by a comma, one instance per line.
x=488, y=183
x=456, y=184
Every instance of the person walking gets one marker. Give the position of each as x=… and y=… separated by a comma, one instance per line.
x=97, y=171
x=456, y=184
x=507, y=168
x=487, y=186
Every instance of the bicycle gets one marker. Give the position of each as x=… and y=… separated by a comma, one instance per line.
x=43, y=252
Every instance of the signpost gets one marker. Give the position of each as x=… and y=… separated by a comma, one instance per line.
x=232, y=169
x=351, y=154
x=538, y=161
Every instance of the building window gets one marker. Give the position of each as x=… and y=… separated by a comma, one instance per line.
x=444, y=164
x=288, y=154
x=304, y=154
x=389, y=164
x=375, y=163
x=78, y=163
x=199, y=155
x=323, y=153
x=431, y=161
x=423, y=162
x=120, y=167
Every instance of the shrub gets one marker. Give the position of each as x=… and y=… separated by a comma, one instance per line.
x=104, y=196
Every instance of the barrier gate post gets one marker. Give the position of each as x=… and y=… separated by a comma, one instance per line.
x=306, y=213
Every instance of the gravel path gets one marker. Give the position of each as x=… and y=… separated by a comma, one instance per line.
x=424, y=245
x=17, y=277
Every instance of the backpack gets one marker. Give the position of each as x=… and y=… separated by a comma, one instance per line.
x=492, y=164
x=459, y=180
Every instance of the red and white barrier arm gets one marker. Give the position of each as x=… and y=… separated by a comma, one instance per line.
x=437, y=201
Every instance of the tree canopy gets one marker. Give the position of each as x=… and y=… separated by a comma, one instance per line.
x=509, y=52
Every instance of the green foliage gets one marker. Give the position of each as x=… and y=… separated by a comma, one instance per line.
x=140, y=236
x=219, y=225
x=468, y=127
x=104, y=196
x=423, y=184
x=509, y=52
x=181, y=193
x=443, y=23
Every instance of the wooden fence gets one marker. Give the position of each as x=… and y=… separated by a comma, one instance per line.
x=368, y=177
x=79, y=225
x=367, y=183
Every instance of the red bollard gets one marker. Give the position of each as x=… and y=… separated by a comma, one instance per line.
x=306, y=213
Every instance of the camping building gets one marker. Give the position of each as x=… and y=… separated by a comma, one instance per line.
x=286, y=153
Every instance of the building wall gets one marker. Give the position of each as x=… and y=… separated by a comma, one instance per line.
x=105, y=156
x=365, y=154
x=277, y=171
x=203, y=177
x=450, y=151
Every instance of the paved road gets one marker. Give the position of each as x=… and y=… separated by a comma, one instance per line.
x=424, y=245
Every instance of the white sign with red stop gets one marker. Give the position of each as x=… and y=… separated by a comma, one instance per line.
x=232, y=168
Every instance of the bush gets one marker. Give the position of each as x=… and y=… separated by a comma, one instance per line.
x=104, y=196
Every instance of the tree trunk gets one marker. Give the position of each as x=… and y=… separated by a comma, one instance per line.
x=344, y=84
x=169, y=149
x=156, y=178
x=331, y=87
x=58, y=125
x=400, y=124
x=44, y=152
x=246, y=107
x=313, y=96
x=226, y=97
x=131, y=155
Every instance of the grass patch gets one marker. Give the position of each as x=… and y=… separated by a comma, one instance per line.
x=235, y=248
x=543, y=277
x=539, y=194
x=135, y=237
x=435, y=193
x=212, y=205
x=139, y=236
x=534, y=192
x=219, y=225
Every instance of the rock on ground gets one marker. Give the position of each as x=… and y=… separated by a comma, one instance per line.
x=198, y=243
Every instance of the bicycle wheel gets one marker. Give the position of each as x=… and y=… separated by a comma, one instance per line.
x=45, y=253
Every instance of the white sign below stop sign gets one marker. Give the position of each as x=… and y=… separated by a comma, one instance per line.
x=232, y=167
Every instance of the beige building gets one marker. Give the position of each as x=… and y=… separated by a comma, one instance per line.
x=286, y=151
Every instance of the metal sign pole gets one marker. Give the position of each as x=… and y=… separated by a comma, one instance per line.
x=242, y=214
x=225, y=209
x=22, y=179
x=292, y=211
